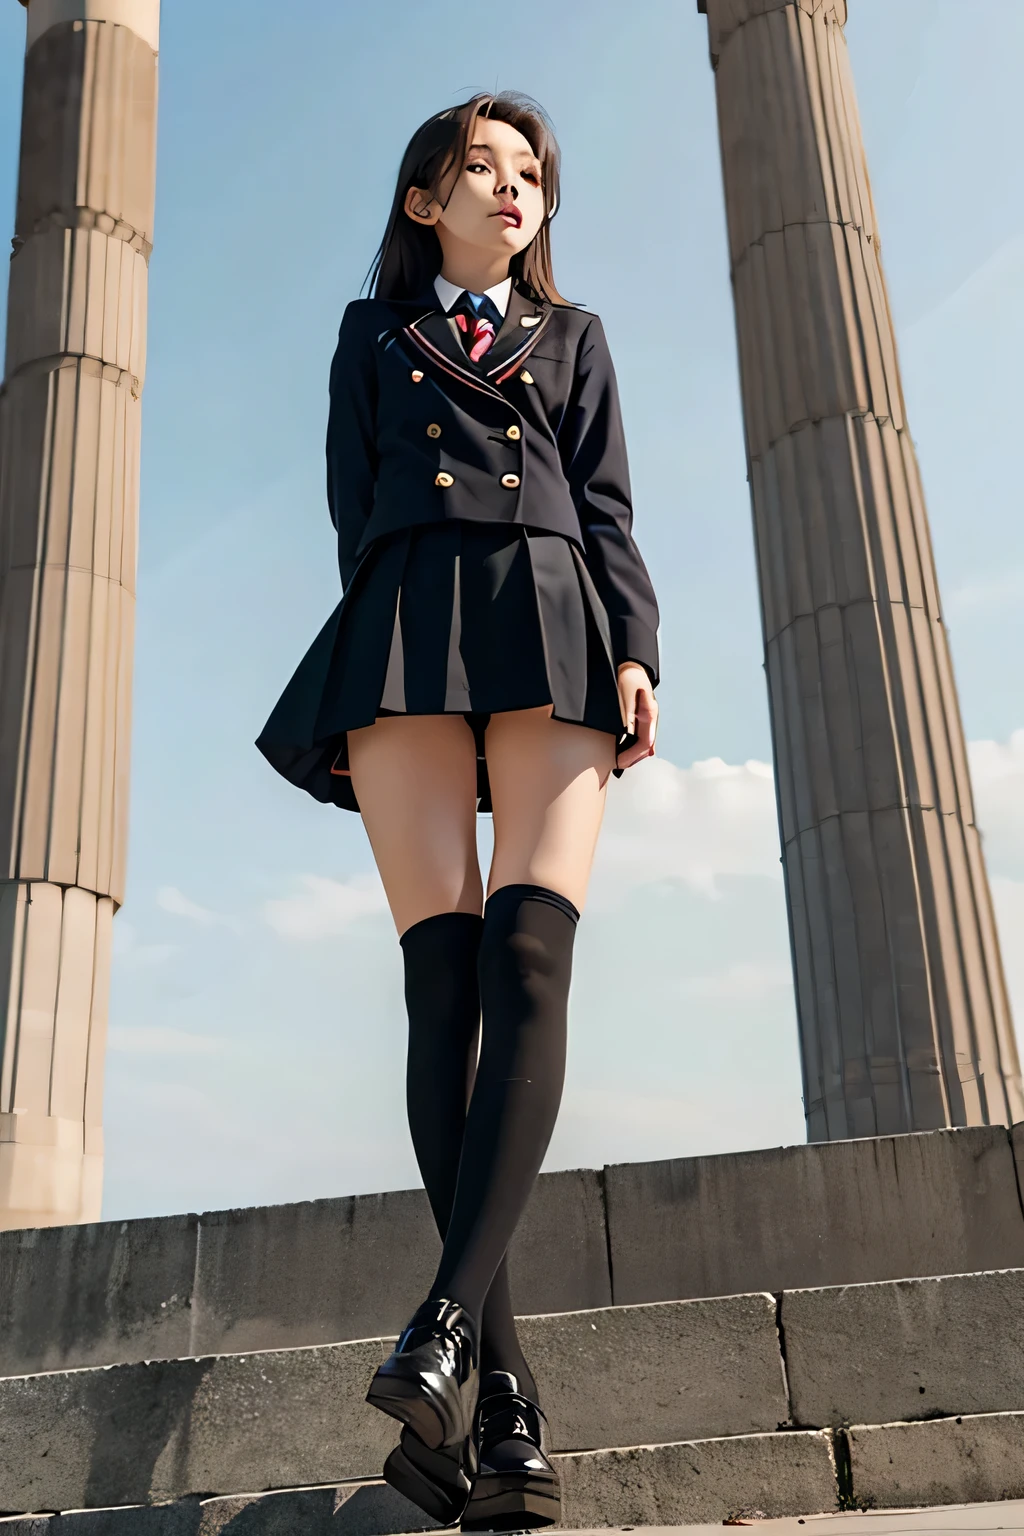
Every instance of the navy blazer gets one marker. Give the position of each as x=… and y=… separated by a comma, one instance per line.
x=530, y=434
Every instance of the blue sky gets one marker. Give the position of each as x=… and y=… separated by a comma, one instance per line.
x=256, y=1044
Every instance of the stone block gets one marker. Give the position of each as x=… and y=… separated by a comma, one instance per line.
x=832, y=1213
x=703, y=1481
x=660, y=1485
x=179, y=1519
x=558, y=1260
x=673, y=1371
x=356, y=1509
x=906, y=1349
x=95, y=1295
x=315, y=1272
x=228, y=1424
x=137, y=1434
x=353, y=1509
x=964, y=1460
x=328, y=1270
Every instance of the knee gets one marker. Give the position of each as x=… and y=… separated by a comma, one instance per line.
x=527, y=929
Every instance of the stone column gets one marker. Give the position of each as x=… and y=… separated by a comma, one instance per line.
x=69, y=487
x=903, y=1013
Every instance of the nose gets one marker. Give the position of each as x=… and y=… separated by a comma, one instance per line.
x=506, y=188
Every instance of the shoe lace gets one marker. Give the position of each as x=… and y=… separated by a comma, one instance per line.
x=456, y=1347
x=509, y=1417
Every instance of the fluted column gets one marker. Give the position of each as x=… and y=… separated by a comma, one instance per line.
x=903, y=1013
x=69, y=480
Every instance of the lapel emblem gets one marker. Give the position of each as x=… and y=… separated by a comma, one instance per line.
x=529, y=320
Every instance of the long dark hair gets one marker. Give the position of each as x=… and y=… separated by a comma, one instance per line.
x=409, y=256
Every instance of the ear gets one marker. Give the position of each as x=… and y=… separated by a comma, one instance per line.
x=420, y=208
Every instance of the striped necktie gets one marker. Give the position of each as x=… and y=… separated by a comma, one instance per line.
x=478, y=318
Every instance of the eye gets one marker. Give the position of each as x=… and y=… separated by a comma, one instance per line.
x=532, y=177
x=478, y=165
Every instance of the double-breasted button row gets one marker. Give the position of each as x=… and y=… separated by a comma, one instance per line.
x=512, y=432
x=444, y=479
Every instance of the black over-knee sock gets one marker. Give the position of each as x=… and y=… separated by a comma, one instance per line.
x=525, y=968
x=442, y=995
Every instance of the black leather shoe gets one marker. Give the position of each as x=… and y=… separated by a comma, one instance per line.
x=516, y=1488
x=431, y=1379
x=437, y=1481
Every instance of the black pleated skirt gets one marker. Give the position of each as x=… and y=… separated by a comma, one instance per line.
x=450, y=618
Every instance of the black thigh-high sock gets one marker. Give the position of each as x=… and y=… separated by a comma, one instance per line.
x=442, y=995
x=525, y=969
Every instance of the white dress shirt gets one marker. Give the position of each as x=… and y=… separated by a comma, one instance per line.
x=448, y=293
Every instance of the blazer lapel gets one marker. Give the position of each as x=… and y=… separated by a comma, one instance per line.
x=524, y=324
x=441, y=341
x=445, y=335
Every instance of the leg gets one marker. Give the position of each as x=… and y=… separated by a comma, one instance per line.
x=424, y=769
x=548, y=785
x=548, y=782
x=442, y=994
x=415, y=780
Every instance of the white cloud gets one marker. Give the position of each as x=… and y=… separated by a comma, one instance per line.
x=741, y=982
x=1008, y=900
x=715, y=819
x=994, y=589
x=172, y=900
x=609, y=1125
x=997, y=774
x=693, y=825
x=321, y=908
x=129, y=952
x=155, y=1040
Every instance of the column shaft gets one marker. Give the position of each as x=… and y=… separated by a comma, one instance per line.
x=903, y=1012
x=69, y=485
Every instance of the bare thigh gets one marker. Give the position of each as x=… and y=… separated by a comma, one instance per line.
x=415, y=779
x=548, y=785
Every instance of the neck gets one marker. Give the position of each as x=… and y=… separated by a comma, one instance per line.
x=473, y=270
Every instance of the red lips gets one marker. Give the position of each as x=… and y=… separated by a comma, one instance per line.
x=510, y=211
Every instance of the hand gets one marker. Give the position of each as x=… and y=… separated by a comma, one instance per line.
x=639, y=712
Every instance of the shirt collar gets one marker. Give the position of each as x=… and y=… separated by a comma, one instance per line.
x=448, y=293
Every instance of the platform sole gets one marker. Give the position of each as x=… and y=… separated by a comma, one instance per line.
x=412, y=1400
x=435, y=1481
x=512, y=1502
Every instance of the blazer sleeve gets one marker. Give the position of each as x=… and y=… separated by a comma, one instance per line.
x=352, y=436
x=593, y=448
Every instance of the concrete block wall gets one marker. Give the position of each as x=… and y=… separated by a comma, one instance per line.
x=945, y=1202
x=904, y=1369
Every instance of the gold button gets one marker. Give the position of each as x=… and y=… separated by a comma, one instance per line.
x=433, y=430
x=514, y=433
x=527, y=378
x=510, y=482
x=417, y=375
x=446, y=479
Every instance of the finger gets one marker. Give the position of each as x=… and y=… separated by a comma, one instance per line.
x=630, y=756
x=645, y=735
x=627, y=703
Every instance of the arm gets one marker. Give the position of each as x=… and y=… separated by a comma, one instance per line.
x=593, y=451
x=352, y=437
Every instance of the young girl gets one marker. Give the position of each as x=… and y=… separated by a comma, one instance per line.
x=495, y=649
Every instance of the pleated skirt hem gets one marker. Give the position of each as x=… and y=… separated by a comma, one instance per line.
x=454, y=618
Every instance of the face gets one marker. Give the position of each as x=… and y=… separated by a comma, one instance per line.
x=494, y=204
